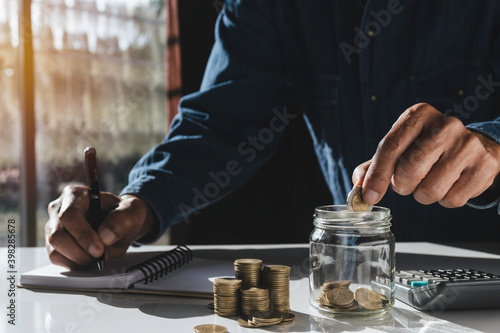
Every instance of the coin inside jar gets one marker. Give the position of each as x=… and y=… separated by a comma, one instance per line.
x=355, y=201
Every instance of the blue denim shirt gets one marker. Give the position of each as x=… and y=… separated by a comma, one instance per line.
x=353, y=67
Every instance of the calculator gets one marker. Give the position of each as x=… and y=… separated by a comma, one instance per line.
x=445, y=289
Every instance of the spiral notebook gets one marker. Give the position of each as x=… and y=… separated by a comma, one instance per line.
x=174, y=272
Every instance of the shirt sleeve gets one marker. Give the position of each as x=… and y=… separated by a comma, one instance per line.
x=228, y=129
x=490, y=197
x=490, y=129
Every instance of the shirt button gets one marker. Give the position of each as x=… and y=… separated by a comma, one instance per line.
x=461, y=92
x=371, y=33
x=373, y=97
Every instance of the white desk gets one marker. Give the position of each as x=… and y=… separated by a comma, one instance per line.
x=57, y=312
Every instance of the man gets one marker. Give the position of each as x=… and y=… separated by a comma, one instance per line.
x=355, y=68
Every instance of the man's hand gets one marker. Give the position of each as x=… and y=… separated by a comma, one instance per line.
x=433, y=156
x=70, y=240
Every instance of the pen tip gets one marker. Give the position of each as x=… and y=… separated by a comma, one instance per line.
x=100, y=266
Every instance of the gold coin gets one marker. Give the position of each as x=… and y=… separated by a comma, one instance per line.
x=247, y=261
x=265, y=322
x=277, y=269
x=337, y=296
x=340, y=297
x=264, y=316
x=244, y=323
x=288, y=318
x=254, y=291
x=355, y=201
x=230, y=282
x=368, y=299
x=210, y=328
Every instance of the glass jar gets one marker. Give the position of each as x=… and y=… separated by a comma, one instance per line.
x=351, y=261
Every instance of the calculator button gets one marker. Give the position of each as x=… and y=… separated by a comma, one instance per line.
x=412, y=272
x=443, y=275
x=408, y=281
x=415, y=284
x=400, y=278
x=433, y=279
x=438, y=280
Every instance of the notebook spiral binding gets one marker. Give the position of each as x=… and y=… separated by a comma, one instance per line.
x=160, y=265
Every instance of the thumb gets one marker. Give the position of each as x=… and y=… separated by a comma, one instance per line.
x=358, y=175
x=122, y=223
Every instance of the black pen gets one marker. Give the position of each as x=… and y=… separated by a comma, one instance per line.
x=94, y=214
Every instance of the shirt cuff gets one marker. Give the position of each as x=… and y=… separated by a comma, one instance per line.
x=148, y=188
x=490, y=129
x=490, y=197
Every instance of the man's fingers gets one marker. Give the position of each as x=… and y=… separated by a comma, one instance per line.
x=358, y=175
x=123, y=222
x=437, y=183
x=58, y=259
x=444, y=174
x=72, y=217
x=54, y=207
x=401, y=136
x=65, y=244
x=414, y=165
x=433, y=156
x=70, y=239
x=76, y=197
x=109, y=201
x=118, y=249
x=379, y=173
x=472, y=182
x=73, y=220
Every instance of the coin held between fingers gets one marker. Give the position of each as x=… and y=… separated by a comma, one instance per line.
x=355, y=201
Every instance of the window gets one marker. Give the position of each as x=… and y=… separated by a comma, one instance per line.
x=99, y=81
x=9, y=115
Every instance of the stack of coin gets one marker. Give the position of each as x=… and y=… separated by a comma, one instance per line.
x=370, y=299
x=337, y=295
x=248, y=271
x=227, y=297
x=355, y=201
x=254, y=299
x=276, y=278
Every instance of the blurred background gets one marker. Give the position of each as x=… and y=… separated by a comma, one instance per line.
x=109, y=73
x=99, y=80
